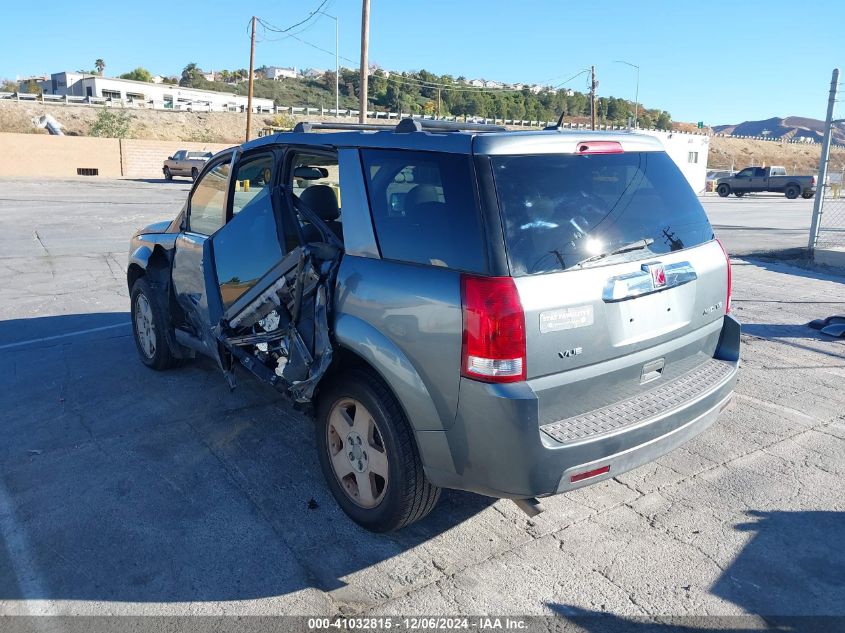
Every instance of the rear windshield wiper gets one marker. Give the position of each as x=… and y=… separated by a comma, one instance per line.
x=627, y=248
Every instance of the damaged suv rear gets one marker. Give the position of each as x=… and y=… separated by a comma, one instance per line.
x=517, y=314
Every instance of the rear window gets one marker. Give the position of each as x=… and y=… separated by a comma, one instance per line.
x=559, y=210
x=424, y=208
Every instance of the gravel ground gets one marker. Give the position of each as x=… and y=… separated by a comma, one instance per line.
x=124, y=491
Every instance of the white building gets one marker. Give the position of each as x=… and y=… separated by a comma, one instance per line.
x=313, y=73
x=158, y=95
x=689, y=151
x=276, y=73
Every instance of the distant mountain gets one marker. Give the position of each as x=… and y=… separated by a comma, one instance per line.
x=790, y=127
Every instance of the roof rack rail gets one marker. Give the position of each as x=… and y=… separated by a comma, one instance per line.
x=423, y=125
x=404, y=126
x=307, y=126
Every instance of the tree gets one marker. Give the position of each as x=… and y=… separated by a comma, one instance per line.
x=139, y=74
x=100, y=65
x=664, y=121
x=9, y=86
x=190, y=75
x=32, y=87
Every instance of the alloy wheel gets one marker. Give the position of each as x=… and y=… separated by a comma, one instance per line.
x=145, y=326
x=357, y=453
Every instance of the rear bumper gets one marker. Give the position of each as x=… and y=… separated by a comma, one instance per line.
x=499, y=448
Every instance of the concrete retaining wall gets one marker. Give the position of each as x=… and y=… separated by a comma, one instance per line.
x=29, y=155
x=42, y=155
x=143, y=159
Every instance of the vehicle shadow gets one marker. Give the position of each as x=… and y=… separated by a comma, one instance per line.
x=791, y=572
x=177, y=180
x=118, y=483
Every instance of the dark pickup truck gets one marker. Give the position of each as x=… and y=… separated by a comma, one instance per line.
x=773, y=179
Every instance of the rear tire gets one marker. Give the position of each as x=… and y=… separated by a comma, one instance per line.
x=194, y=173
x=792, y=192
x=739, y=194
x=807, y=195
x=149, y=327
x=359, y=419
x=723, y=190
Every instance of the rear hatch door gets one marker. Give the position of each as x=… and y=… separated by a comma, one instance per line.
x=613, y=256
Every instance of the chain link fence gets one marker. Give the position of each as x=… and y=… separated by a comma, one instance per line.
x=831, y=222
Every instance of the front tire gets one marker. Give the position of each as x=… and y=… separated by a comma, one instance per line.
x=149, y=327
x=792, y=192
x=194, y=173
x=723, y=190
x=368, y=454
x=167, y=175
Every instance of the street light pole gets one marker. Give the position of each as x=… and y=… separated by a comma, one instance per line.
x=636, y=94
x=336, y=62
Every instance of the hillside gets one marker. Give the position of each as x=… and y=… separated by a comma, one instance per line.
x=726, y=152
x=791, y=127
x=225, y=127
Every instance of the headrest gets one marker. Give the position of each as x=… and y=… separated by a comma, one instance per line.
x=420, y=194
x=322, y=200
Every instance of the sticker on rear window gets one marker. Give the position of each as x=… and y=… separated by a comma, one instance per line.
x=566, y=318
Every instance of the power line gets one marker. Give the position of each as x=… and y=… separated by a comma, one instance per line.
x=276, y=29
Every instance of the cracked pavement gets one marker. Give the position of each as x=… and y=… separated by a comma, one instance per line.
x=125, y=491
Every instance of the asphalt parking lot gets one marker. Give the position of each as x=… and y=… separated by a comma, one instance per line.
x=758, y=223
x=125, y=491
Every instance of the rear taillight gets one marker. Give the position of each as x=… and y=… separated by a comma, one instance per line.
x=728, y=260
x=812, y=181
x=494, y=330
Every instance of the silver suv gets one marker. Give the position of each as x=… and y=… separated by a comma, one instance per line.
x=516, y=314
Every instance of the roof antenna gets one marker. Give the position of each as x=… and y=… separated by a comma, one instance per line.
x=557, y=125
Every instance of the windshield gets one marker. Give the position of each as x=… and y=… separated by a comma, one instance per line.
x=559, y=210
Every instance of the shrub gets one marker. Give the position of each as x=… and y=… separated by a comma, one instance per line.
x=283, y=121
x=111, y=123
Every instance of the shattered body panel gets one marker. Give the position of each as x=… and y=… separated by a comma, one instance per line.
x=283, y=336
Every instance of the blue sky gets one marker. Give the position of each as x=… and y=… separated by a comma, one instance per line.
x=720, y=62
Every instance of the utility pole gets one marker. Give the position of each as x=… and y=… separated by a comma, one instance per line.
x=593, y=85
x=336, y=67
x=818, y=205
x=251, y=67
x=438, y=103
x=365, y=45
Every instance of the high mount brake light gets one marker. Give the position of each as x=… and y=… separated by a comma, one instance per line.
x=599, y=147
x=494, y=330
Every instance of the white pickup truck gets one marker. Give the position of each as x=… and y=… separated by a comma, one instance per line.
x=185, y=163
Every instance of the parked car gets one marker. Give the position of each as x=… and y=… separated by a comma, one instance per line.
x=185, y=163
x=713, y=176
x=517, y=314
x=772, y=179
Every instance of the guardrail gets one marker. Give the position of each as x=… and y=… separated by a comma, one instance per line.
x=301, y=111
x=371, y=114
